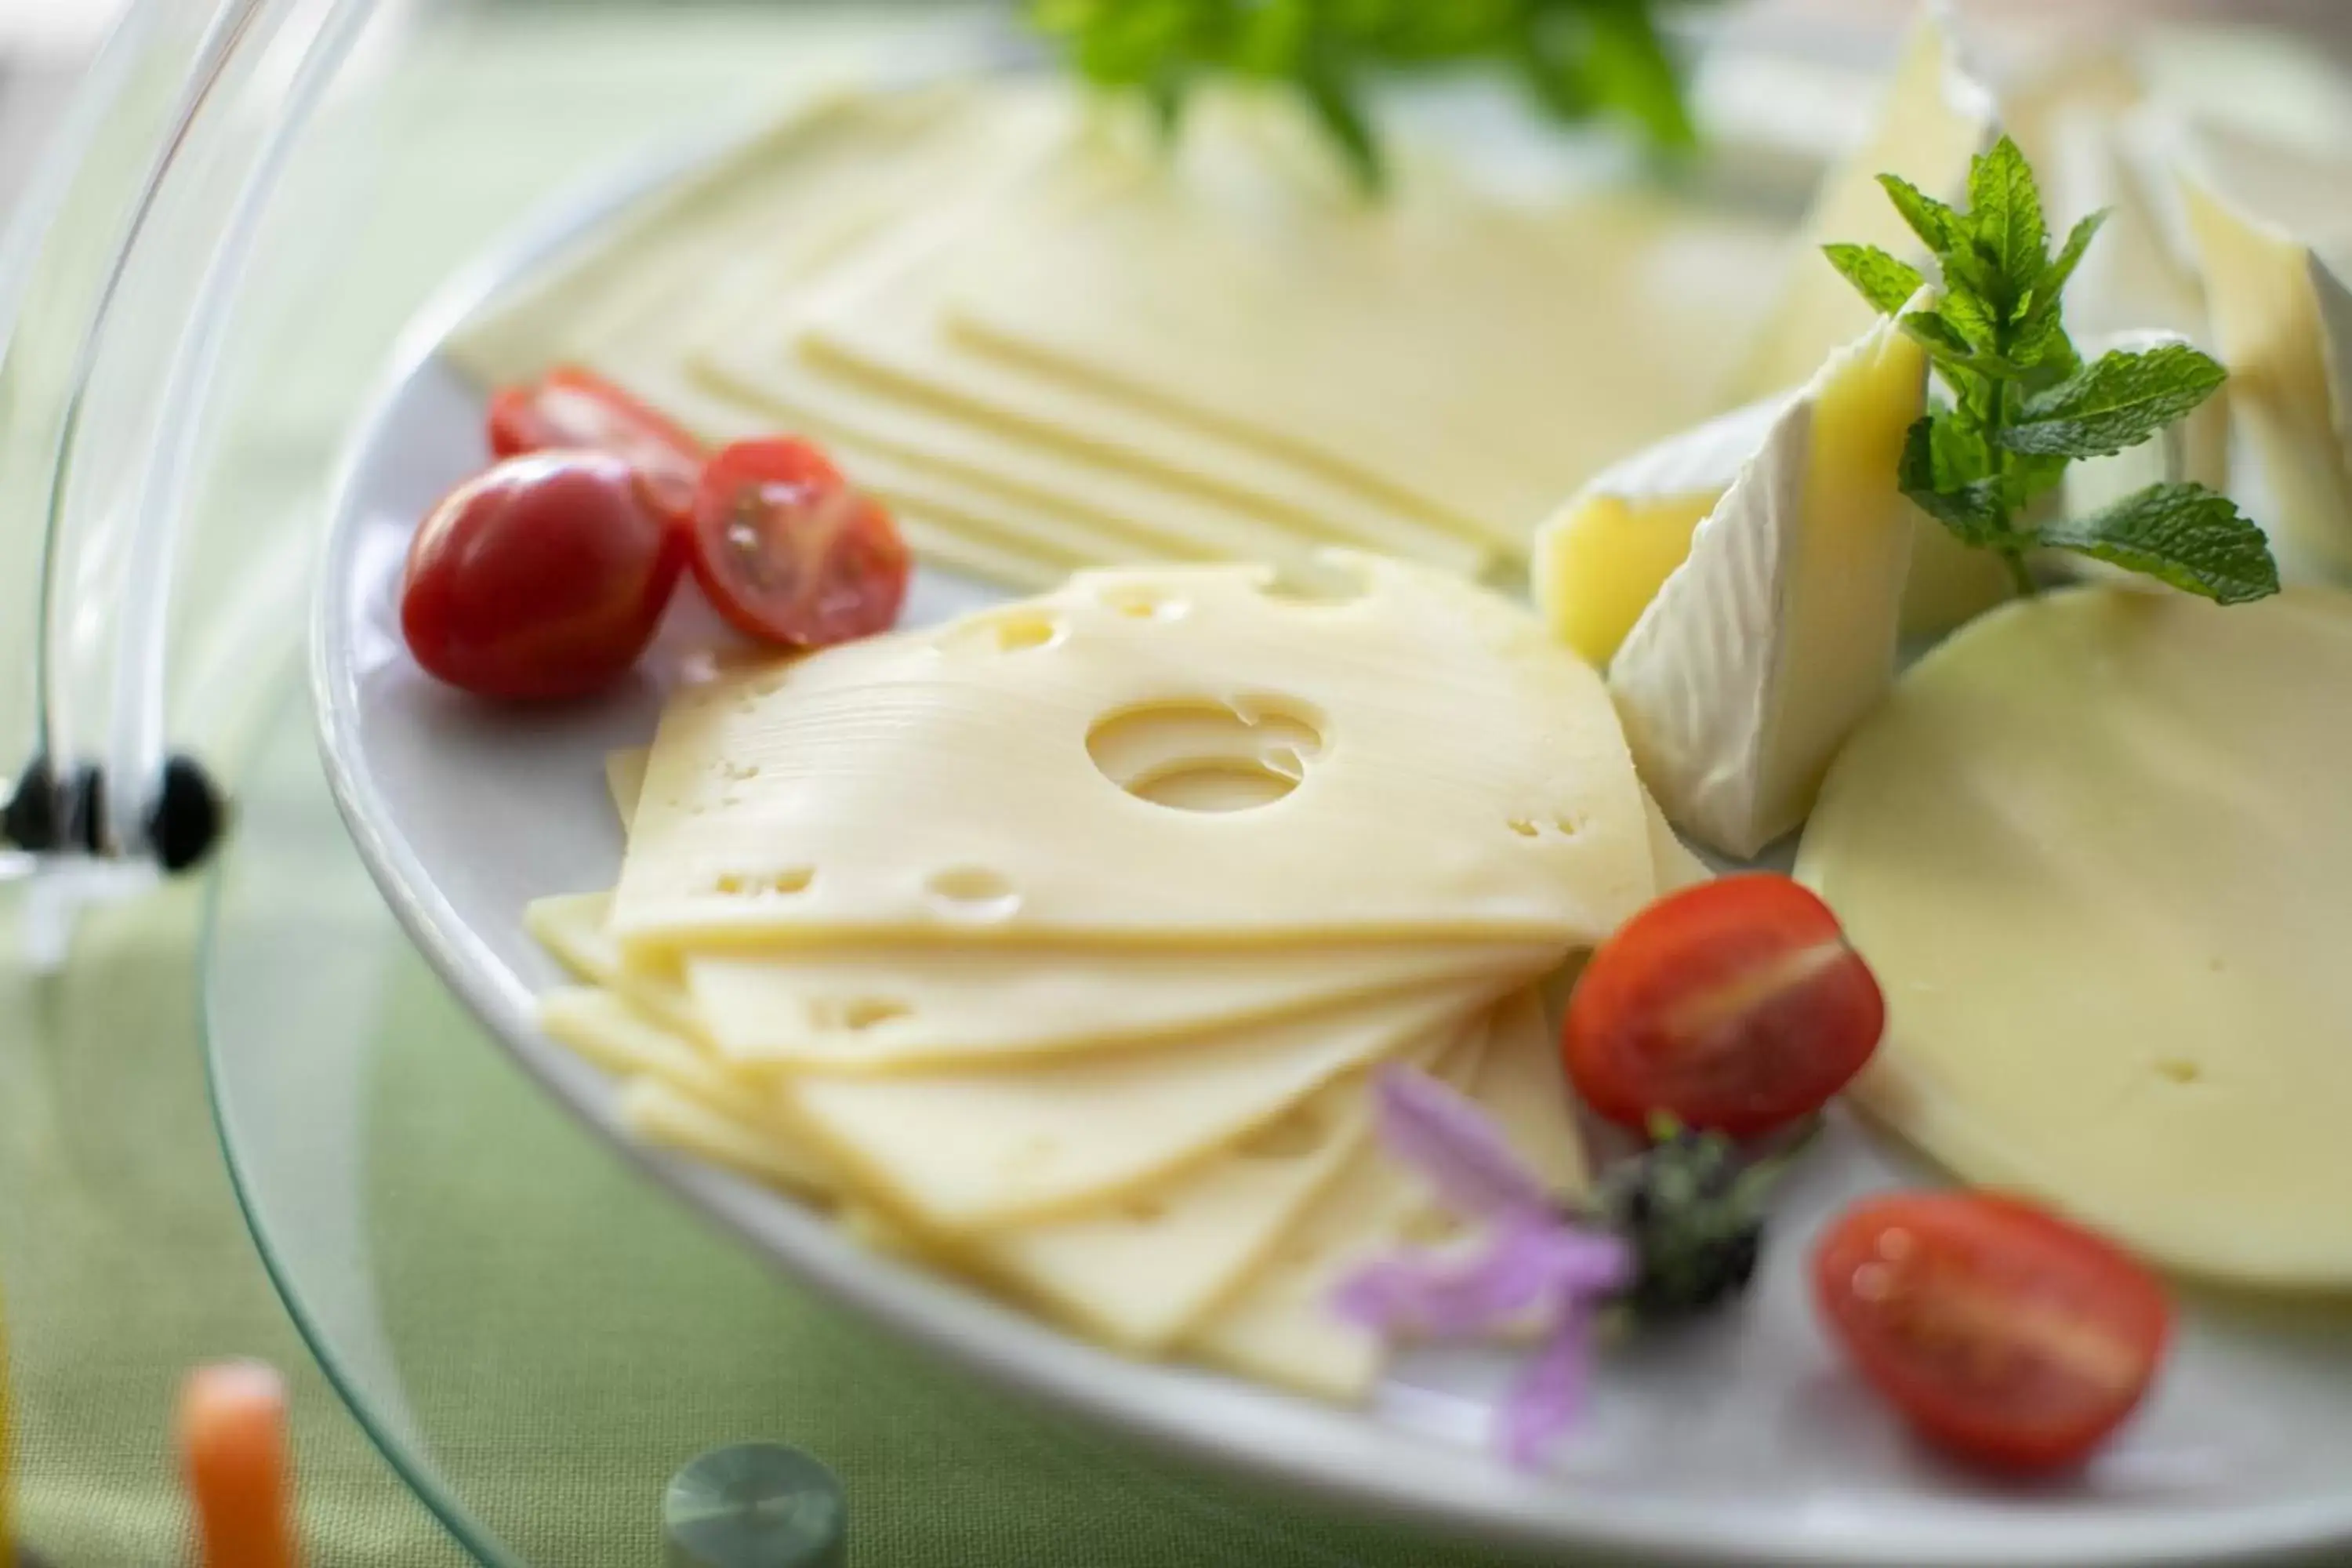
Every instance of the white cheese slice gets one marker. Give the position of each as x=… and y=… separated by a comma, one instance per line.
x=2095, y=847
x=1429, y=765
x=2284, y=325
x=959, y=1152
x=2191, y=450
x=1779, y=633
x=1280, y=1327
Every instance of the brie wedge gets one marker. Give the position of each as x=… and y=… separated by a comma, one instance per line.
x=1778, y=635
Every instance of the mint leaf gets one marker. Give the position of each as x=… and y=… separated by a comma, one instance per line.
x=1886, y=281
x=1971, y=317
x=2185, y=535
x=1950, y=350
x=1972, y=510
x=2069, y=256
x=1940, y=228
x=1327, y=90
x=1631, y=71
x=2118, y=400
x=2005, y=220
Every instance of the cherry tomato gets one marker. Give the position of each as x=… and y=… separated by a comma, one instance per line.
x=789, y=553
x=571, y=409
x=543, y=578
x=2004, y=1334
x=1734, y=1005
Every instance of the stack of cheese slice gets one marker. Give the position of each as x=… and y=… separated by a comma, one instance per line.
x=1058, y=944
x=1047, y=344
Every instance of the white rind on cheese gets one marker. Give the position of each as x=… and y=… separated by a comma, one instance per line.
x=1779, y=633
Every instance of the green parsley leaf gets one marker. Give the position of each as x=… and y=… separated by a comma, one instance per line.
x=2185, y=535
x=2119, y=400
x=1886, y=281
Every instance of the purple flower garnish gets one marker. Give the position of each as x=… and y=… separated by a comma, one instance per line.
x=1533, y=1267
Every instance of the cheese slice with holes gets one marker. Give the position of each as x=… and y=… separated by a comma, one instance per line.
x=2093, y=848
x=2283, y=319
x=1418, y=760
x=958, y=1152
x=1279, y=1325
x=1779, y=633
x=576, y=930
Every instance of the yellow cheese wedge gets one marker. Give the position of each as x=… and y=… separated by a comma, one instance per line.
x=1764, y=649
x=2284, y=322
x=1279, y=1326
x=1932, y=120
x=957, y=1151
x=1022, y=773
x=2095, y=849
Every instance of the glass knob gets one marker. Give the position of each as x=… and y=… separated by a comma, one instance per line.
x=755, y=1505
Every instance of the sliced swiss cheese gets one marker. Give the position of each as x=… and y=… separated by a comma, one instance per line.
x=896, y=1007
x=958, y=1152
x=575, y=928
x=1449, y=773
x=2094, y=848
x=1280, y=1326
x=1779, y=633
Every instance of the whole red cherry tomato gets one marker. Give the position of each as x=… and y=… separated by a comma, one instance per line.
x=543, y=578
x=2004, y=1334
x=789, y=553
x=571, y=409
x=1734, y=1006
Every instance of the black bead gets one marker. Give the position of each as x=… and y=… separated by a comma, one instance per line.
x=33, y=818
x=187, y=817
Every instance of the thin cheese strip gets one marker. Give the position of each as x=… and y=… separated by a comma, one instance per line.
x=972, y=1151
x=887, y=321
x=1280, y=1326
x=661, y=1114
x=907, y=1007
x=625, y=779
x=574, y=928
x=1140, y=1272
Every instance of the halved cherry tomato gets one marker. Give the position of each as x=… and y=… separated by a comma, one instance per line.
x=1734, y=1006
x=789, y=553
x=577, y=410
x=2004, y=1334
x=543, y=578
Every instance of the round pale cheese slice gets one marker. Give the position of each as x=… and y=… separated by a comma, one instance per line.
x=1195, y=756
x=2098, y=848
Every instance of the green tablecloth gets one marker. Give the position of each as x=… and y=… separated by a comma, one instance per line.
x=532, y=1290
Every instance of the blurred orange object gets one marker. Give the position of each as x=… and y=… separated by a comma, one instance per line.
x=232, y=1449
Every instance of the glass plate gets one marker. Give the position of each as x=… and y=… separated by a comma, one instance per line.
x=1742, y=1440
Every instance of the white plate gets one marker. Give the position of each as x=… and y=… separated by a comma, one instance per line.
x=1739, y=1441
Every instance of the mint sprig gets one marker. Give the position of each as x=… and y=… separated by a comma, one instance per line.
x=1576, y=59
x=2024, y=403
